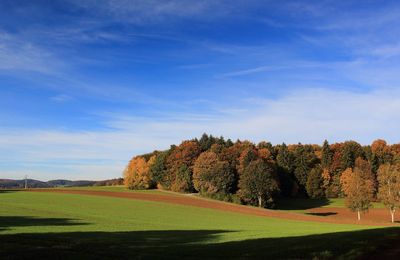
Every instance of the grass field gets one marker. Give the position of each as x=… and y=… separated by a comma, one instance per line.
x=57, y=225
x=302, y=204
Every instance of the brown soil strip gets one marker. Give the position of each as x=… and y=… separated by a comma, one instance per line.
x=376, y=217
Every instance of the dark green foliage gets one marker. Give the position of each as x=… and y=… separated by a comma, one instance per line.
x=351, y=151
x=334, y=190
x=305, y=160
x=159, y=170
x=285, y=159
x=327, y=155
x=258, y=183
x=314, y=183
x=183, y=180
x=228, y=143
x=206, y=141
x=285, y=167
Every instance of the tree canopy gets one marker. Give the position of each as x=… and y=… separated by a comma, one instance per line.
x=232, y=170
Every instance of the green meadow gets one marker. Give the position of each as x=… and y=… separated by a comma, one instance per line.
x=54, y=225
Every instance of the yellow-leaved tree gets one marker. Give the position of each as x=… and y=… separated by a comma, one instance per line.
x=389, y=187
x=358, y=186
x=137, y=174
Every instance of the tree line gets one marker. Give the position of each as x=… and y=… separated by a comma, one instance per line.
x=257, y=174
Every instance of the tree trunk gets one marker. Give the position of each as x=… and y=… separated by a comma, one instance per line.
x=358, y=215
x=260, y=201
x=392, y=213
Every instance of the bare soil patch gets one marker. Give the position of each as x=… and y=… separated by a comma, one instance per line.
x=375, y=217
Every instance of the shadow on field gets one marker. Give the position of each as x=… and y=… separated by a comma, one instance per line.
x=8, y=191
x=7, y=222
x=300, y=204
x=322, y=214
x=198, y=244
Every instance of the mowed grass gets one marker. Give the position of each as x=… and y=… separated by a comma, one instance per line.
x=57, y=225
x=301, y=205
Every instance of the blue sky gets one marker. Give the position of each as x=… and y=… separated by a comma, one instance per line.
x=85, y=85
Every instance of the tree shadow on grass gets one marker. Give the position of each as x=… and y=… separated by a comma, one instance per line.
x=9, y=190
x=199, y=244
x=7, y=222
x=322, y=214
x=300, y=203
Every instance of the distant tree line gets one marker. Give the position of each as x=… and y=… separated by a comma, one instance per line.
x=110, y=182
x=257, y=174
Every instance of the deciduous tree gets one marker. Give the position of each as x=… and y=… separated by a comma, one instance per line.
x=358, y=187
x=179, y=162
x=137, y=174
x=258, y=183
x=389, y=187
x=211, y=175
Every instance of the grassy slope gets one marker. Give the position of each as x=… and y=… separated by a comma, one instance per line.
x=78, y=225
x=283, y=204
x=301, y=205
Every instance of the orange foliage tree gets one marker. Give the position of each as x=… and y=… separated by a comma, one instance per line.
x=180, y=163
x=137, y=174
x=389, y=187
x=358, y=187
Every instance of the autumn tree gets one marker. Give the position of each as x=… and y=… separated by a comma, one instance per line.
x=248, y=155
x=137, y=174
x=389, y=187
x=315, y=183
x=381, y=152
x=358, y=187
x=179, y=165
x=211, y=175
x=395, y=152
x=333, y=172
x=258, y=183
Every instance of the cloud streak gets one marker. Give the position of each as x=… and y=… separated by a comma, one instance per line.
x=308, y=116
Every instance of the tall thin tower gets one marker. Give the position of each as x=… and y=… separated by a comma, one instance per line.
x=26, y=181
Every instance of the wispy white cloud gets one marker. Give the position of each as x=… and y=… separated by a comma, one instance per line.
x=310, y=107
x=62, y=98
x=307, y=116
x=17, y=54
x=146, y=11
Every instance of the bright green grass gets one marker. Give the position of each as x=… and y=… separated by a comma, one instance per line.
x=301, y=205
x=114, y=214
x=48, y=223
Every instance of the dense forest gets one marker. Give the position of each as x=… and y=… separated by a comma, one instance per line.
x=256, y=174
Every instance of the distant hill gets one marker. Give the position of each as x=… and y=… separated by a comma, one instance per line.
x=9, y=184
x=6, y=183
x=69, y=183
